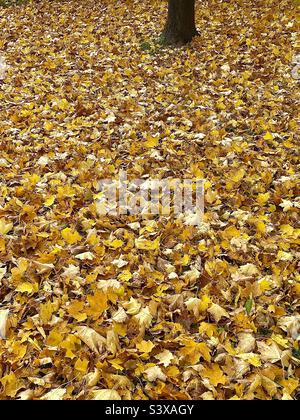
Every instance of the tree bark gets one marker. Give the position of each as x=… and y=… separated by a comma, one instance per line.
x=180, y=28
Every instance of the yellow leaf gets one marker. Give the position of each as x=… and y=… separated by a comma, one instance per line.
x=93, y=378
x=106, y=395
x=63, y=104
x=55, y=395
x=120, y=329
x=231, y=232
x=27, y=287
x=151, y=142
x=193, y=305
x=263, y=198
x=283, y=342
x=49, y=201
x=269, y=386
x=132, y=307
x=165, y=357
x=144, y=317
x=54, y=338
x=185, y=260
x=204, y=351
x=2, y=245
x=112, y=342
x=147, y=245
x=48, y=125
x=117, y=364
x=120, y=316
x=221, y=105
x=173, y=371
x=85, y=256
x=82, y=365
x=238, y=175
x=125, y=276
x=46, y=311
x=5, y=227
x=287, y=230
x=69, y=344
x=18, y=272
x=290, y=385
x=3, y=271
x=218, y=312
x=115, y=244
x=153, y=373
x=268, y=136
x=145, y=346
x=264, y=285
x=284, y=256
x=261, y=227
x=76, y=310
x=34, y=179
x=205, y=301
x=193, y=351
x=215, y=375
x=10, y=384
x=97, y=304
x=209, y=329
x=71, y=236
x=251, y=358
x=268, y=353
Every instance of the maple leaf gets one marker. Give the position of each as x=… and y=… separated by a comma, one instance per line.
x=269, y=353
x=71, y=236
x=218, y=312
x=153, y=373
x=144, y=317
x=120, y=316
x=91, y=338
x=145, y=346
x=165, y=357
x=147, y=245
x=81, y=365
x=214, y=374
x=181, y=300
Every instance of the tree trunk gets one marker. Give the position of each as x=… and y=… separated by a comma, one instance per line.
x=180, y=28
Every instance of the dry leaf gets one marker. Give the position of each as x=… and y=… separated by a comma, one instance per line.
x=153, y=373
x=54, y=395
x=106, y=395
x=3, y=323
x=91, y=338
x=217, y=312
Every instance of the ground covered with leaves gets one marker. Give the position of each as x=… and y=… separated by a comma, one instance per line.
x=149, y=308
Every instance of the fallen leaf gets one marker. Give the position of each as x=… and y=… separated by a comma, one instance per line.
x=217, y=312
x=91, y=338
x=106, y=395
x=153, y=373
x=3, y=323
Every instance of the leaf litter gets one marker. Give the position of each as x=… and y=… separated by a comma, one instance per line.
x=138, y=308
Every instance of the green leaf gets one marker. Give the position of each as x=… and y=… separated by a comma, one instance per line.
x=296, y=353
x=145, y=46
x=264, y=332
x=249, y=306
